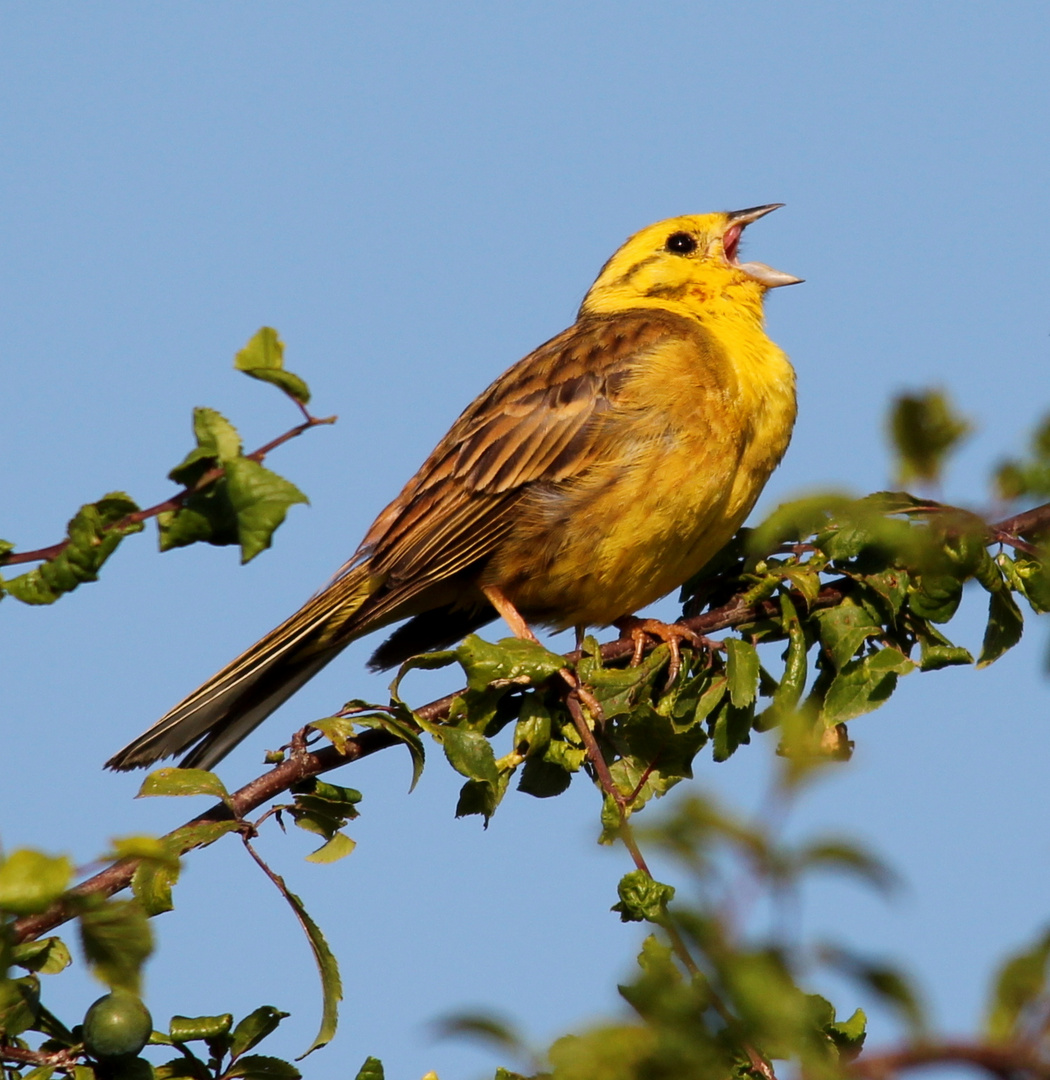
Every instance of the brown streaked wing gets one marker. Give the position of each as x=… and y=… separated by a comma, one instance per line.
x=536, y=423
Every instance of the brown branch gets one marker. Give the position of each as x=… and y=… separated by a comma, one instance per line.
x=1029, y=524
x=14, y=557
x=1002, y=1060
x=57, y=1059
x=303, y=765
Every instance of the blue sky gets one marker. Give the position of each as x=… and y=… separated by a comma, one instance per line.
x=416, y=195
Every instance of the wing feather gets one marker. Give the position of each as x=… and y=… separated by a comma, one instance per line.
x=540, y=422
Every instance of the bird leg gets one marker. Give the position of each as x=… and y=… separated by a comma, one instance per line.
x=509, y=613
x=672, y=634
x=514, y=619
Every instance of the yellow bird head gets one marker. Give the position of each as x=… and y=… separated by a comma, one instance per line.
x=688, y=264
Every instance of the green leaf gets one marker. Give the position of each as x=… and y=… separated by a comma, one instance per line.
x=176, y=781
x=935, y=657
x=151, y=885
x=1019, y=983
x=480, y=797
x=338, y=730
x=936, y=596
x=542, y=780
x=337, y=848
x=848, y=1035
x=795, y=521
x=199, y=834
x=47, y=956
x=864, y=684
x=327, y=967
x=730, y=729
x=844, y=628
x=19, y=1005
x=642, y=899
x=1029, y=577
x=263, y=358
x=254, y=1028
x=924, y=429
x=260, y=499
x=116, y=940
x=31, y=881
x=470, y=754
x=372, y=1069
x=205, y=517
x=257, y=1067
x=92, y=536
x=1004, y=629
x=510, y=661
x=402, y=727
x=742, y=670
x=183, y=1029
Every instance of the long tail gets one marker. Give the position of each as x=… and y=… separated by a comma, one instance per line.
x=231, y=704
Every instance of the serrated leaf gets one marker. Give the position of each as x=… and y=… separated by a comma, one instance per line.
x=260, y=500
x=864, y=684
x=1004, y=629
x=116, y=940
x=263, y=358
x=205, y=517
x=46, y=956
x=92, y=536
x=511, y=660
x=338, y=730
x=176, y=781
x=642, y=899
x=258, y=1067
x=731, y=728
x=844, y=628
x=742, y=667
x=251, y=1031
x=31, y=881
x=470, y=754
x=848, y=1035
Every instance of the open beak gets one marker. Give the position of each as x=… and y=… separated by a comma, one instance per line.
x=764, y=275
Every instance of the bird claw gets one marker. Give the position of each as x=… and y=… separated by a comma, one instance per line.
x=671, y=634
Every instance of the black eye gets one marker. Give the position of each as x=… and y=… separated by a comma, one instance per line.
x=681, y=243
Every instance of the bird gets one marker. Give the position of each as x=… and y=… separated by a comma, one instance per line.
x=591, y=478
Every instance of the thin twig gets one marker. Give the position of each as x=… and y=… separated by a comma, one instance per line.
x=208, y=478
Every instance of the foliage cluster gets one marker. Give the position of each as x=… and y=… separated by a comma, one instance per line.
x=828, y=603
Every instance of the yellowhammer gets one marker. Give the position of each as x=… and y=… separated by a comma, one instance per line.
x=590, y=479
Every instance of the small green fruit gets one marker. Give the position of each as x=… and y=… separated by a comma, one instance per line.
x=117, y=1025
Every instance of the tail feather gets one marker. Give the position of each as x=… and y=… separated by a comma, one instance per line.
x=231, y=704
